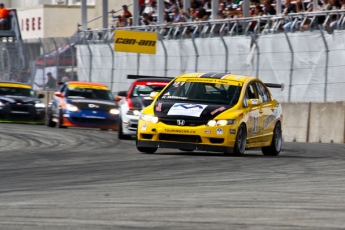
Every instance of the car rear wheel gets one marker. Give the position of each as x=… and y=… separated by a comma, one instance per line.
x=276, y=144
x=240, y=143
x=120, y=134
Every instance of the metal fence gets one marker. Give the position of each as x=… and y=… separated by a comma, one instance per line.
x=305, y=51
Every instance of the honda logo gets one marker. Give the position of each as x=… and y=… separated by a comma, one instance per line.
x=180, y=122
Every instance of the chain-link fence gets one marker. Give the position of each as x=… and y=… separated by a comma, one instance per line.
x=297, y=50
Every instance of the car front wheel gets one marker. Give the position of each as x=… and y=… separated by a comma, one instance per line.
x=240, y=143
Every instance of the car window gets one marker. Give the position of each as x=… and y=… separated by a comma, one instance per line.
x=203, y=92
x=263, y=93
x=12, y=91
x=250, y=94
x=145, y=90
x=89, y=94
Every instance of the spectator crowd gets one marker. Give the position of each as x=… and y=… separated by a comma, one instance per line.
x=200, y=10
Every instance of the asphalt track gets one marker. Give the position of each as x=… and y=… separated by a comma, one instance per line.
x=87, y=179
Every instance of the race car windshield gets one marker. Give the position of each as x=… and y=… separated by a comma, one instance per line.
x=145, y=90
x=22, y=92
x=203, y=92
x=89, y=94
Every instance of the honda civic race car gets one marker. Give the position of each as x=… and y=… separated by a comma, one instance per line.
x=131, y=102
x=18, y=102
x=83, y=104
x=216, y=112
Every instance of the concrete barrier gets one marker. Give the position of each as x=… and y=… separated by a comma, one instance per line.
x=295, y=121
x=327, y=122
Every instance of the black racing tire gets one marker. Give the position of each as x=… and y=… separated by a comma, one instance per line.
x=49, y=120
x=120, y=134
x=147, y=149
x=240, y=143
x=276, y=143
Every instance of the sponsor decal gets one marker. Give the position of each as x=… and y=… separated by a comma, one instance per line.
x=174, y=97
x=144, y=127
x=271, y=118
x=219, y=131
x=94, y=112
x=192, y=110
x=179, y=131
x=159, y=107
x=217, y=110
x=207, y=131
x=208, y=80
x=135, y=41
x=232, y=131
x=93, y=106
x=94, y=101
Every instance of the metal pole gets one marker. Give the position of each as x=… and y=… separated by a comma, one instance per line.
x=215, y=6
x=291, y=65
x=245, y=9
x=31, y=58
x=44, y=61
x=57, y=58
x=90, y=66
x=83, y=15
x=226, y=53
x=315, y=5
x=72, y=57
x=112, y=65
x=186, y=5
x=253, y=39
x=196, y=54
x=138, y=63
x=160, y=11
x=105, y=13
x=165, y=57
x=326, y=64
x=279, y=6
x=135, y=12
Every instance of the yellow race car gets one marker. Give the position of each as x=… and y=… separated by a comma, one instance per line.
x=217, y=112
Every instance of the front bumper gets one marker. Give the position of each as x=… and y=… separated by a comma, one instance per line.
x=203, y=138
x=90, y=119
x=129, y=124
x=22, y=113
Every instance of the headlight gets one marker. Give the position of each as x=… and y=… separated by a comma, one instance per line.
x=114, y=111
x=221, y=122
x=1, y=104
x=72, y=108
x=149, y=118
x=38, y=105
x=133, y=112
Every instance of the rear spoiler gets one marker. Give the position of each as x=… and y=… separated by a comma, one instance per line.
x=145, y=76
x=273, y=85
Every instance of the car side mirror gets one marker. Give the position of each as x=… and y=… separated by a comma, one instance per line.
x=122, y=93
x=58, y=94
x=153, y=95
x=254, y=102
x=118, y=98
x=41, y=95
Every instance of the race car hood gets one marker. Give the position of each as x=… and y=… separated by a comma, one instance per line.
x=93, y=104
x=141, y=102
x=190, y=111
x=19, y=99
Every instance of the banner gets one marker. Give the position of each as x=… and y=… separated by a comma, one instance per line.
x=135, y=41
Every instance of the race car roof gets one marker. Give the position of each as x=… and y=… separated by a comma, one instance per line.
x=154, y=79
x=215, y=75
x=14, y=84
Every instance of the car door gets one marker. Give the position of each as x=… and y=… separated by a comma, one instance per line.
x=267, y=110
x=254, y=116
